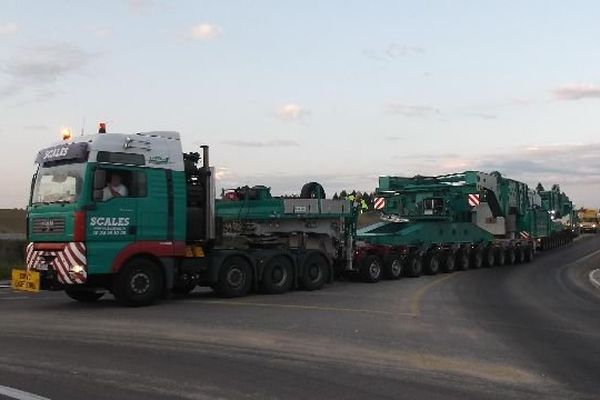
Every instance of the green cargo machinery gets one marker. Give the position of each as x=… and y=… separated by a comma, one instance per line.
x=464, y=220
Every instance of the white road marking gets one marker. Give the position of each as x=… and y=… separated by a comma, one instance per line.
x=595, y=277
x=19, y=394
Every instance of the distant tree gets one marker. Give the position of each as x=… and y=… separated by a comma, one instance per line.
x=335, y=196
x=556, y=187
x=539, y=188
x=343, y=194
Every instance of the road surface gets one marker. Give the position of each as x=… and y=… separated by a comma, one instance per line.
x=520, y=332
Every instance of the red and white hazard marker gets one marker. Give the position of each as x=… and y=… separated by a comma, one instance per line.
x=379, y=203
x=473, y=199
x=525, y=235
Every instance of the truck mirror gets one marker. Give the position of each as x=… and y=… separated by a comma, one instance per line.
x=99, y=179
x=98, y=195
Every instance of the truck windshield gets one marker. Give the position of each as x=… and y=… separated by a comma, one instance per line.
x=58, y=183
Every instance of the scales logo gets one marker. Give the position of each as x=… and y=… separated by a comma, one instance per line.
x=55, y=153
x=109, y=226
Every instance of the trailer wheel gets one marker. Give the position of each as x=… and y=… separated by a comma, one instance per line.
x=462, y=260
x=235, y=278
x=371, y=269
x=476, y=258
x=278, y=275
x=511, y=257
x=314, y=273
x=393, y=266
x=312, y=190
x=529, y=254
x=432, y=264
x=489, y=259
x=84, y=296
x=415, y=266
x=519, y=255
x=449, y=264
x=139, y=283
x=500, y=257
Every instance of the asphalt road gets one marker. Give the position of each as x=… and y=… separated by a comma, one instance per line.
x=520, y=332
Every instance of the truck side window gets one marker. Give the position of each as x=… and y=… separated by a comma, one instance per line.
x=123, y=183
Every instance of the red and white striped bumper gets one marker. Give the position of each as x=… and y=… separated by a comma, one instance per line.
x=67, y=260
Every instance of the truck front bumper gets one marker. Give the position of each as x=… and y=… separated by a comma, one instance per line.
x=58, y=263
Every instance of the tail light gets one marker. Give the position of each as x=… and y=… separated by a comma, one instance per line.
x=79, y=226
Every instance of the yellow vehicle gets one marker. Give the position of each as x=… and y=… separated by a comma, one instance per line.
x=589, y=220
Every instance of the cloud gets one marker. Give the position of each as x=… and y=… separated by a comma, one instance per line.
x=482, y=115
x=36, y=127
x=258, y=143
x=99, y=32
x=8, y=29
x=408, y=110
x=39, y=68
x=204, y=31
x=393, y=138
x=141, y=7
x=577, y=92
x=392, y=51
x=292, y=112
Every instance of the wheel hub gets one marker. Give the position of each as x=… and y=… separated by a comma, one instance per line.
x=235, y=277
x=140, y=283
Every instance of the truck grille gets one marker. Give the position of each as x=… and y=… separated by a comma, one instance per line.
x=48, y=225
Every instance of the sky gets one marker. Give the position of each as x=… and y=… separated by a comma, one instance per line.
x=287, y=92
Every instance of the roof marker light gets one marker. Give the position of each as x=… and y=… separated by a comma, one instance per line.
x=102, y=127
x=66, y=134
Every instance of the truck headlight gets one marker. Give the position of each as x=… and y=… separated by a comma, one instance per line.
x=593, y=225
x=76, y=269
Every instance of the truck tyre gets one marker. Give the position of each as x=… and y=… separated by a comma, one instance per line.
x=139, y=283
x=529, y=254
x=449, y=264
x=393, y=266
x=235, y=277
x=489, y=259
x=476, y=258
x=500, y=257
x=84, y=296
x=415, y=266
x=431, y=266
x=519, y=255
x=371, y=269
x=278, y=275
x=314, y=272
x=510, y=255
x=312, y=190
x=462, y=260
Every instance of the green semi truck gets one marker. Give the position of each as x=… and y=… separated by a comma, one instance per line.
x=134, y=215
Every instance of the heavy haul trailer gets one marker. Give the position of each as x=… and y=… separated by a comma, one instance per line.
x=462, y=221
x=564, y=222
x=134, y=215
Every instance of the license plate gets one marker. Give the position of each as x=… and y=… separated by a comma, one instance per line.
x=28, y=281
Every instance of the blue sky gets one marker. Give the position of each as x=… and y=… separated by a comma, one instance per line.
x=336, y=91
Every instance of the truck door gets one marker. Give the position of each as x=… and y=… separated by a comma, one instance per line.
x=112, y=222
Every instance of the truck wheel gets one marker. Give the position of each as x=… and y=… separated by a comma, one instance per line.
x=476, y=258
x=278, y=275
x=510, y=255
x=370, y=269
x=415, y=266
x=84, y=296
x=489, y=259
x=314, y=272
x=449, y=264
x=139, y=283
x=500, y=257
x=235, y=278
x=462, y=260
x=519, y=255
x=393, y=267
x=432, y=264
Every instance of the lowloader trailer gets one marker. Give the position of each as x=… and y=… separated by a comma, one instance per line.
x=457, y=221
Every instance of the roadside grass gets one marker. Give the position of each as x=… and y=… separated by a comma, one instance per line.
x=11, y=256
x=6, y=267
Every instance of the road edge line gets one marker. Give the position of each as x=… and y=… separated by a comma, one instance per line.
x=594, y=281
x=19, y=394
